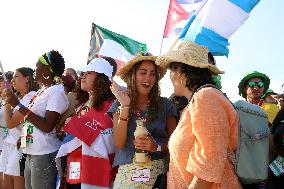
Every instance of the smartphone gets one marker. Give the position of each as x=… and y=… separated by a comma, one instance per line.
x=7, y=85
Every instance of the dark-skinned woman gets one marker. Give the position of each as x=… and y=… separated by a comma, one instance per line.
x=39, y=140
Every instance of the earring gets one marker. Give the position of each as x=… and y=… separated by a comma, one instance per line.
x=45, y=77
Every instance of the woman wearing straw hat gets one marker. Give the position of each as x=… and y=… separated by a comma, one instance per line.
x=141, y=101
x=207, y=128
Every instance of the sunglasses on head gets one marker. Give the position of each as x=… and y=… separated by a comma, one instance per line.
x=253, y=84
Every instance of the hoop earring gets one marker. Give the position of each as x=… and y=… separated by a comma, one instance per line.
x=45, y=77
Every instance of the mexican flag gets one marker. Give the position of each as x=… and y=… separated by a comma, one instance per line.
x=107, y=43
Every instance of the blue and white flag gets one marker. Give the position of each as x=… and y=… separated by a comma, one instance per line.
x=215, y=23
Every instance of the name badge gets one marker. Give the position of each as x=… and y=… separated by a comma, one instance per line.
x=74, y=170
x=140, y=175
x=277, y=166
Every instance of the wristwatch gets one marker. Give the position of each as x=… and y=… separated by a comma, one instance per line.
x=159, y=148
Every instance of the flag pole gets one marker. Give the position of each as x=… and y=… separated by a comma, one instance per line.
x=183, y=32
x=165, y=28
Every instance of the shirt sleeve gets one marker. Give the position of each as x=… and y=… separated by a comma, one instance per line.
x=57, y=100
x=210, y=126
x=170, y=108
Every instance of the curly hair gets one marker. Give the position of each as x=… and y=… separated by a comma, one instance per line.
x=101, y=91
x=28, y=72
x=154, y=95
x=195, y=77
x=56, y=62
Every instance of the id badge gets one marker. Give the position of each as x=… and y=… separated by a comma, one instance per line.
x=277, y=166
x=24, y=137
x=140, y=174
x=74, y=170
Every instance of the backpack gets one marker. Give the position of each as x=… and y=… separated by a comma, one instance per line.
x=251, y=158
x=252, y=154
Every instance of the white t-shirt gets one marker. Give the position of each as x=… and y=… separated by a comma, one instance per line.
x=2, y=124
x=15, y=133
x=52, y=99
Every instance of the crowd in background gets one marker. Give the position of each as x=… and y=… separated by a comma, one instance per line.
x=61, y=128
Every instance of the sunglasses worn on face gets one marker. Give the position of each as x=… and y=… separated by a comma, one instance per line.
x=260, y=84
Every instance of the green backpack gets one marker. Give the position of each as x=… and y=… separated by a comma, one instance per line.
x=252, y=156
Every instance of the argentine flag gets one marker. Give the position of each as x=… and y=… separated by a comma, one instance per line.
x=215, y=23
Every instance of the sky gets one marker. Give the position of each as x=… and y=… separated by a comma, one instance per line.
x=30, y=28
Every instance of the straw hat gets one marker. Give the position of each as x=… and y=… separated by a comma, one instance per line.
x=188, y=53
x=122, y=72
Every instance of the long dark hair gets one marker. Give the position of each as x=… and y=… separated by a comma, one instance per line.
x=154, y=95
x=101, y=90
x=28, y=72
x=195, y=77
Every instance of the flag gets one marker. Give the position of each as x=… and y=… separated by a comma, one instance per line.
x=107, y=43
x=179, y=12
x=97, y=147
x=216, y=22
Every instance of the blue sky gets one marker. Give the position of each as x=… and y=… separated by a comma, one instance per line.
x=32, y=27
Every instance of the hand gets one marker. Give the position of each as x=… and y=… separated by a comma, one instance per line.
x=122, y=96
x=10, y=97
x=145, y=142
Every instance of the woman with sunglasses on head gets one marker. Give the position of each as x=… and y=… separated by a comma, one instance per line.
x=208, y=126
x=141, y=103
x=25, y=87
x=39, y=139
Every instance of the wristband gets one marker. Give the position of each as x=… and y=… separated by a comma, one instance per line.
x=19, y=106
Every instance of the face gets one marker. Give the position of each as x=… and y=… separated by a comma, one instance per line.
x=19, y=81
x=69, y=72
x=268, y=98
x=177, y=77
x=41, y=73
x=2, y=85
x=87, y=81
x=254, y=88
x=145, y=77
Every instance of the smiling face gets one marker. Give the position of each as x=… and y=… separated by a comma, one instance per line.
x=87, y=81
x=41, y=73
x=19, y=81
x=145, y=77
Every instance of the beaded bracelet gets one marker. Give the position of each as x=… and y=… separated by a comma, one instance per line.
x=123, y=119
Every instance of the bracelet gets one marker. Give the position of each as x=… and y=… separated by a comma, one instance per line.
x=19, y=106
x=124, y=106
x=123, y=119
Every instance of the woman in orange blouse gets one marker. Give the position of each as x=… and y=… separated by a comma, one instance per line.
x=208, y=125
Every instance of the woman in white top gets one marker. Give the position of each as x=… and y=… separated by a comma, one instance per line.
x=25, y=86
x=3, y=128
x=39, y=139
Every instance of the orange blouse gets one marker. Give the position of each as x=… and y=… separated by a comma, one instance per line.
x=198, y=146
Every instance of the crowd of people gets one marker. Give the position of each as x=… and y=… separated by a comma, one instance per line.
x=67, y=129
